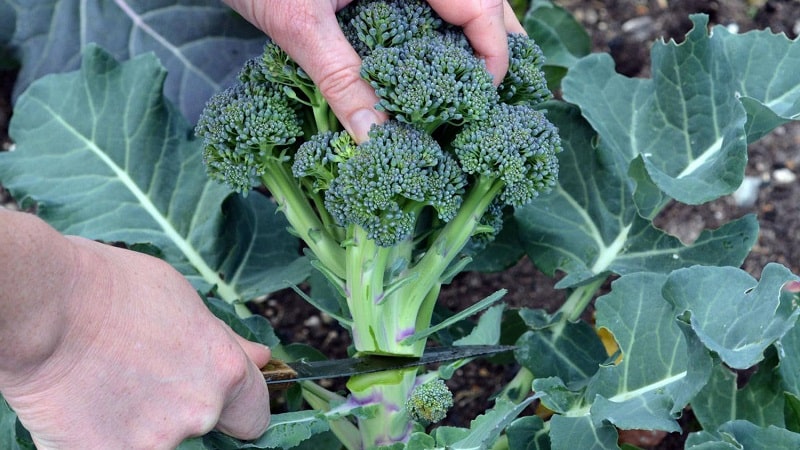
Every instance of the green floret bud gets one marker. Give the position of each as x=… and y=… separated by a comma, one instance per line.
x=430, y=81
x=429, y=402
x=241, y=126
x=317, y=158
x=390, y=178
x=525, y=81
x=387, y=23
x=517, y=145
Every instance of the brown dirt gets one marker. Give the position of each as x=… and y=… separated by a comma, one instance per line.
x=625, y=28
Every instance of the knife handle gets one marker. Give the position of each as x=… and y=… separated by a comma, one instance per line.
x=275, y=371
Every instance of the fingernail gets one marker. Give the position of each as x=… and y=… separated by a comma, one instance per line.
x=360, y=123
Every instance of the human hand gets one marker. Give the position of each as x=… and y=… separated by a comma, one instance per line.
x=308, y=31
x=141, y=363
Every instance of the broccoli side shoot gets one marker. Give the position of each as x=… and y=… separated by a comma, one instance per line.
x=429, y=402
x=525, y=81
x=384, y=184
x=241, y=127
x=516, y=145
x=430, y=81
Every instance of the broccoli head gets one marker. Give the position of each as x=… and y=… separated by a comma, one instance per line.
x=386, y=23
x=430, y=81
x=241, y=126
x=429, y=402
x=516, y=145
x=383, y=184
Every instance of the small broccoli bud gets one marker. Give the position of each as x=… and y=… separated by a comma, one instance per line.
x=318, y=157
x=430, y=81
x=515, y=144
x=389, y=178
x=429, y=402
x=241, y=126
x=525, y=81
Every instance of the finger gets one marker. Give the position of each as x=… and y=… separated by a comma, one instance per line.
x=258, y=353
x=313, y=38
x=246, y=412
x=484, y=25
x=510, y=18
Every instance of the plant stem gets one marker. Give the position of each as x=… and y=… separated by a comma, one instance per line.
x=302, y=217
x=576, y=303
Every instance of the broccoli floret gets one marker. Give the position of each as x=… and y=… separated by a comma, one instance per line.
x=430, y=81
x=318, y=158
x=383, y=184
x=525, y=81
x=241, y=127
x=429, y=402
x=516, y=145
x=386, y=23
x=276, y=67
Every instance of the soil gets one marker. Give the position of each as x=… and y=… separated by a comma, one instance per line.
x=626, y=29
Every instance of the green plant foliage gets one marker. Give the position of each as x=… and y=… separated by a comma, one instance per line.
x=52, y=34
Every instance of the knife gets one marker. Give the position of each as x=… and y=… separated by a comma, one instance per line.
x=282, y=374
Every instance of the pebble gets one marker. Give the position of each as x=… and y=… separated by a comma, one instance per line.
x=784, y=176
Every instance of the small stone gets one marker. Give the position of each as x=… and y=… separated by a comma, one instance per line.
x=784, y=176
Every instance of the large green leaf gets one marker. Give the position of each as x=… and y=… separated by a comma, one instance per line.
x=104, y=156
x=572, y=352
x=8, y=421
x=760, y=401
x=686, y=125
x=200, y=42
x=660, y=370
x=588, y=225
x=8, y=22
x=562, y=39
x=741, y=434
x=733, y=314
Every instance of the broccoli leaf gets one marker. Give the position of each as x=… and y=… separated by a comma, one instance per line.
x=8, y=23
x=103, y=156
x=286, y=430
x=740, y=434
x=691, y=155
x=731, y=313
x=563, y=39
x=573, y=353
x=588, y=226
x=660, y=369
x=201, y=56
x=581, y=432
x=760, y=401
x=8, y=424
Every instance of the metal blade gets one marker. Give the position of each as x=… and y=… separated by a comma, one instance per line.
x=280, y=372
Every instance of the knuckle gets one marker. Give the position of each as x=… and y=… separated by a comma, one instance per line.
x=337, y=81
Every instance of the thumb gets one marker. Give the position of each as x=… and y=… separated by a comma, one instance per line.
x=258, y=353
x=329, y=59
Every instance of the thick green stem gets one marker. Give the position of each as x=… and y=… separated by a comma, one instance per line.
x=390, y=390
x=386, y=312
x=302, y=217
x=320, y=399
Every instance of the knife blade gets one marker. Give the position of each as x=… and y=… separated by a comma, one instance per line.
x=277, y=371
